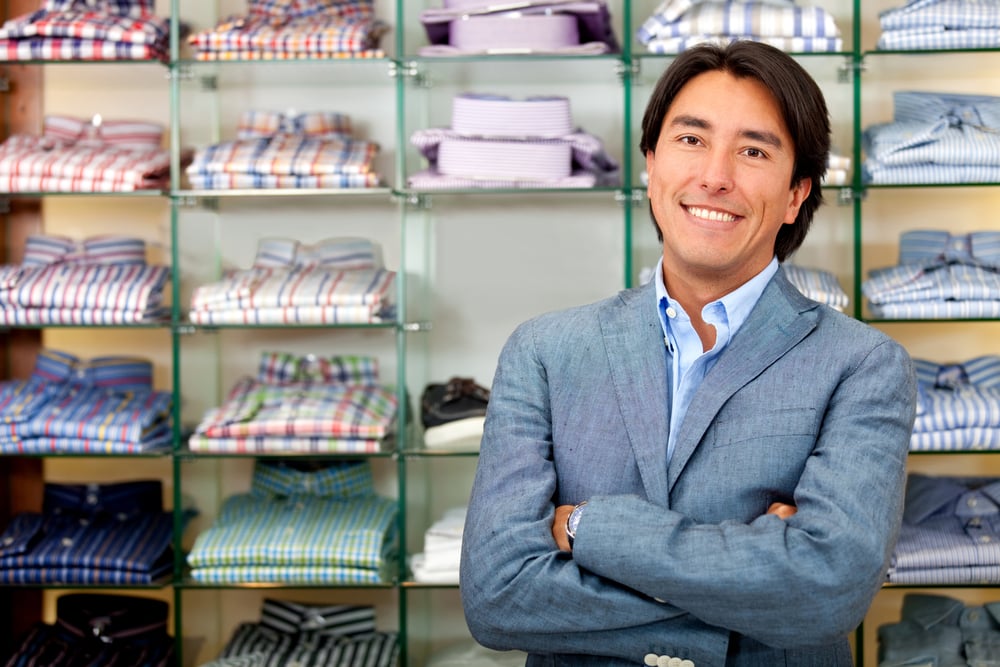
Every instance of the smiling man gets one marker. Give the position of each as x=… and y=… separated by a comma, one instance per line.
x=707, y=470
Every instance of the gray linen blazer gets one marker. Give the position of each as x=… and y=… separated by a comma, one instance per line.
x=806, y=405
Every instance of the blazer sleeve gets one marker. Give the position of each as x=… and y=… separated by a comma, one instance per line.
x=787, y=583
x=518, y=590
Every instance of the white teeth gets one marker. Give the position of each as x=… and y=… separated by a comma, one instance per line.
x=708, y=214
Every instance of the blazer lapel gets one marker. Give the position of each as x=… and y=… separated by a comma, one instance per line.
x=776, y=324
x=633, y=338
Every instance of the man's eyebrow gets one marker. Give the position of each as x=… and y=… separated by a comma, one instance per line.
x=762, y=136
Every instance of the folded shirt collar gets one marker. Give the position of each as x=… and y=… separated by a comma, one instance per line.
x=118, y=501
x=42, y=249
x=332, y=479
x=285, y=368
x=333, y=253
x=111, y=618
x=118, y=373
x=939, y=247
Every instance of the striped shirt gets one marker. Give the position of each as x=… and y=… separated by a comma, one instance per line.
x=105, y=405
x=678, y=25
x=958, y=405
x=90, y=534
x=99, y=629
x=950, y=532
x=301, y=405
x=98, y=280
x=315, y=523
x=252, y=646
x=939, y=275
x=936, y=138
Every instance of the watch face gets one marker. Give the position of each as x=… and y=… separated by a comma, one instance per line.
x=574, y=519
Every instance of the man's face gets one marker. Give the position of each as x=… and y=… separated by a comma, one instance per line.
x=719, y=181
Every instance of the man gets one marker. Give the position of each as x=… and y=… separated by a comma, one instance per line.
x=707, y=470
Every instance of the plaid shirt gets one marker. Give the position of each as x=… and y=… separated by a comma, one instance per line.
x=100, y=280
x=74, y=30
x=75, y=155
x=296, y=29
x=325, y=405
x=90, y=534
x=300, y=523
x=103, y=406
x=279, y=150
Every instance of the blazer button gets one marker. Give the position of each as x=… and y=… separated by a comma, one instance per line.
x=650, y=659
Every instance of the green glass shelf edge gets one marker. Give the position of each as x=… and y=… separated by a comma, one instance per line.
x=285, y=192
x=918, y=52
x=413, y=453
x=910, y=186
x=187, y=327
x=426, y=585
x=140, y=194
x=943, y=320
x=191, y=585
x=159, y=585
x=164, y=454
x=952, y=452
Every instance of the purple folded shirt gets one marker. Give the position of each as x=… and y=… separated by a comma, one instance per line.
x=533, y=26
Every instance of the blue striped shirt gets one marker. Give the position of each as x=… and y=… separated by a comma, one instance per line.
x=939, y=275
x=958, y=405
x=940, y=24
x=104, y=405
x=935, y=138
x=950, y=532
x=90, y=534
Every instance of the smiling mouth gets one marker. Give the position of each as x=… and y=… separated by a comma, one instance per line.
x=710, y=214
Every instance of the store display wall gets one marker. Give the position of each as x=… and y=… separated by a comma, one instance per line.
x=472, y=264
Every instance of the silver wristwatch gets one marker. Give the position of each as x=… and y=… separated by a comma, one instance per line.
x=572, y=521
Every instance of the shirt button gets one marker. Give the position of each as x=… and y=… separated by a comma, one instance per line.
x=660, y=601
x=7, y=541
x=66, y=541
x=687, y=663
x=671, y=313
x=651, y=659
x=974, y=521
x=984, y=539
x=971, y=502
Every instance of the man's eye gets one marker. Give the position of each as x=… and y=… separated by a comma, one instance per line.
x=755, y=152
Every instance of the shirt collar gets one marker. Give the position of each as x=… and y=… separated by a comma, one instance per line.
x=44, y=250
x=261, y=124
x=114, y=373
x=329, y=479
x=335, y=253
x=736, y=305
x=284, y=368
x=928, y=495
x=96, y=130
x=120, y=501
x=931, y=248
x=111, y=618
x=336, y=620
x=981, y=371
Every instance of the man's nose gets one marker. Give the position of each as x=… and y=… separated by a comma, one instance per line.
x=718, y=171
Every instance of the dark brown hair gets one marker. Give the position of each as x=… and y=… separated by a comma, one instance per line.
x=798, y=97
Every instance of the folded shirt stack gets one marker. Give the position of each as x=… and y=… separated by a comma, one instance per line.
x=958, y=405
x=294, y=29
x=940, y=275
x=949, y=532
x=292, y=633
x=91, y=534
x=99, y=280
x=291, y=150
x=941, y=631
x=935, y=138
x=335, y=281
x=679, y=24
x=91, y=30
x=302, y=404
x=500, y=142
x=303, y=522
x=103, y=406
x=568, y=27
x=940, y=24
x=77, y=155
x=99, y=629
x=439, y=562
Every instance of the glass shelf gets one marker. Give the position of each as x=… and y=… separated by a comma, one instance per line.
x=285, y=192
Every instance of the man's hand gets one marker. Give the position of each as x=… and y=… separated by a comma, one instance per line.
x=781, y=510
x=559, y=527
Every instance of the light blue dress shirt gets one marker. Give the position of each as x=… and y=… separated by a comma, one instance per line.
x=688, y=361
